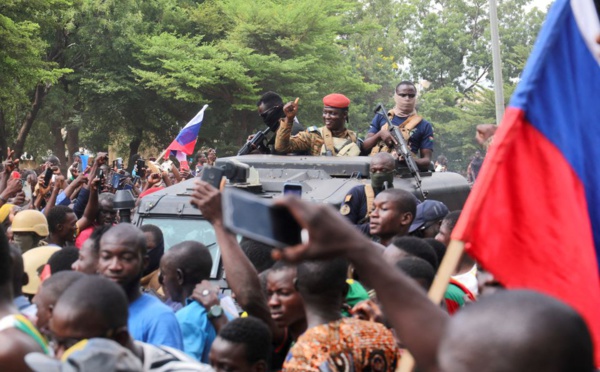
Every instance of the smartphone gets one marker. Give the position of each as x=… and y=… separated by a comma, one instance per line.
x=257, y=218
x=27, y=190
x=116, y=179
x=48, y=176
x=292, y=188
x=212, y=175
x=140, y=164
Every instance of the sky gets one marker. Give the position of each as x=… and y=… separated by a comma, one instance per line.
x=541, y=4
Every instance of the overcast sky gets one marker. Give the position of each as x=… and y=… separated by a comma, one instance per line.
x=542, y=4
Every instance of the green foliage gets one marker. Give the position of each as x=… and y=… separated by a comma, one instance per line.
x=26, y=58
x=131, y=71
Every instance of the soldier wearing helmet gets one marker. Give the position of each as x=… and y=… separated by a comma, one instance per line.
x=29, y=227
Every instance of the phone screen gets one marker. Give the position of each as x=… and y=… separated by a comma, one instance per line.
x=140, y=164
x=114, y=182
x=47, y=177
x=257, y=218
x=292, y=189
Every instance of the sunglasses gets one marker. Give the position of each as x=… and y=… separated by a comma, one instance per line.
x=267, y=112
x=404, y=95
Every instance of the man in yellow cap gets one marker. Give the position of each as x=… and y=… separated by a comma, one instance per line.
x=333, y=139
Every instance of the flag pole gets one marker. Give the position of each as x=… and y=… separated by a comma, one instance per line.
x=438, y=289
x=159, y=159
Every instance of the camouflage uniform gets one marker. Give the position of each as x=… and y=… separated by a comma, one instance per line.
x=309, y=140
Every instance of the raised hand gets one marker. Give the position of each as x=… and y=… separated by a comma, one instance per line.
x=329, y=233
x=208, y=199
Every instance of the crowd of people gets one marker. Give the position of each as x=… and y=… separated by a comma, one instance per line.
x=81, y=291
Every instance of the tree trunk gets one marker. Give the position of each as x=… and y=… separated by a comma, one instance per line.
x=3, y=142
x=72, y=142
x=41, y=91
x=59, y=145
x=240, y=121
x=134, y=147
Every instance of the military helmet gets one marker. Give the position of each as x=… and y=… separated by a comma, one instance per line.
x=30, y=221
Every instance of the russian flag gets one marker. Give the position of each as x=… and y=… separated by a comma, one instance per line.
x=533, y=216
x=185, y=141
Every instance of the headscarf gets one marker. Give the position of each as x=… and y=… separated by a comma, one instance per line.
x=400, y=112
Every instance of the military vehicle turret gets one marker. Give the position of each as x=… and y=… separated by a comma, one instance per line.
x=323, y=179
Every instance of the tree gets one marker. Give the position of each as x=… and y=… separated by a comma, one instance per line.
x=451, y=49
x=28, y=66
x=259, y=51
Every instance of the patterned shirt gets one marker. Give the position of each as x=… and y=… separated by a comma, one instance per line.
x=309, y=140
x=344, y=345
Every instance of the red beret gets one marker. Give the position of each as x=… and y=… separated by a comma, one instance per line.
x=336, y=100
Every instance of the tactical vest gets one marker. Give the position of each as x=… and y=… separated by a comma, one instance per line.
x=405, y=128
x=334, y=146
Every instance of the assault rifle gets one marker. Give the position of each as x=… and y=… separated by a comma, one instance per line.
x=257, y=140
x=402, y=149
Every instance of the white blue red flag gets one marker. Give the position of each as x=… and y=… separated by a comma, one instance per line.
x=185, y=141
x=533, y=216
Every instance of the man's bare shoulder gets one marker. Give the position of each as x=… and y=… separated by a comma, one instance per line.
x=14, y=345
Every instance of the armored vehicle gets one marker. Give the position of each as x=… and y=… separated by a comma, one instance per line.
x=323, y=179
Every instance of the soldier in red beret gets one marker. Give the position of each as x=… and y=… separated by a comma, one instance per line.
x=333, y=139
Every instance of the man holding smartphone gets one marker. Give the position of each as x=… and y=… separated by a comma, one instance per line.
x=332, y=139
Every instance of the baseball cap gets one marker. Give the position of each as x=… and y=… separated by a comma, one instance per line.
x=90, y=355
x=428, y=212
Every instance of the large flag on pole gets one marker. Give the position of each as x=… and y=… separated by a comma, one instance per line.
x=533, y=216
x=185, y=141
